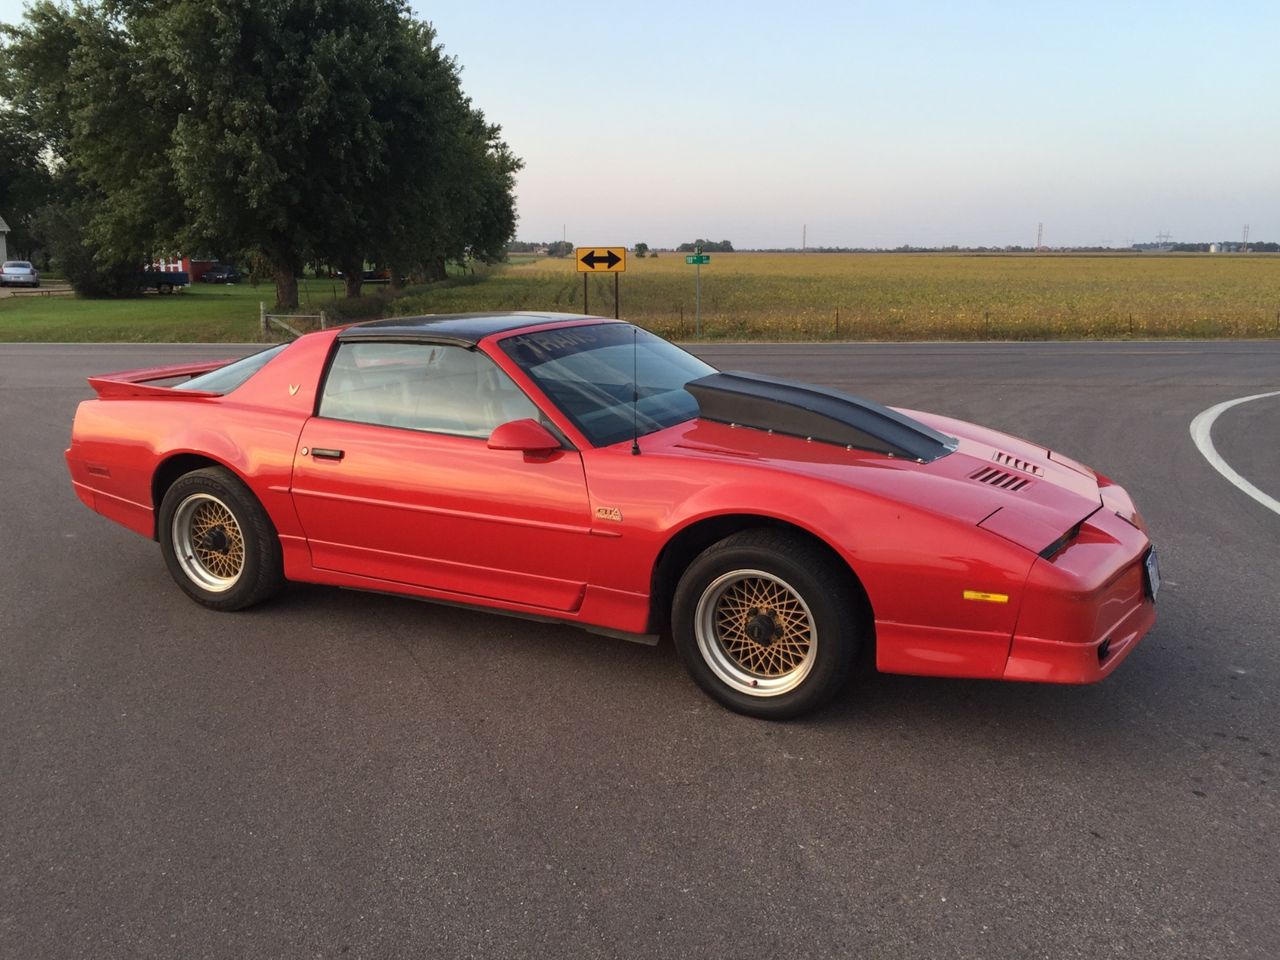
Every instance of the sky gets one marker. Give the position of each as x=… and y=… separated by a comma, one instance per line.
x=879, y=123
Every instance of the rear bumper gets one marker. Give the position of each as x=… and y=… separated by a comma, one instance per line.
x=138, y=517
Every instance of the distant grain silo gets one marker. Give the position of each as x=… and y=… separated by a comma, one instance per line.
x=1215, y=248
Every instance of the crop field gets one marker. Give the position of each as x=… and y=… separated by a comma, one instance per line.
x=903, y=296
x=758, y=296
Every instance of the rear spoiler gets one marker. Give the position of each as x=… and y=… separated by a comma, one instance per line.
x=140, y=383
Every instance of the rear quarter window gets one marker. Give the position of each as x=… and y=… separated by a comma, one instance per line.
x=234, y=374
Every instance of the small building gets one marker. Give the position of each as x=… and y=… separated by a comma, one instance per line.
x=4, y=240
x=193, y=267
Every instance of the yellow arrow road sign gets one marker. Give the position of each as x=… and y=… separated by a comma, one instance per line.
x=601, y=259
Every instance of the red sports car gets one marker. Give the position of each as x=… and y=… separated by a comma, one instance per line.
x=583, y=470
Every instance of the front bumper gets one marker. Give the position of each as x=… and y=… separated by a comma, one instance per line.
x=1086, y=608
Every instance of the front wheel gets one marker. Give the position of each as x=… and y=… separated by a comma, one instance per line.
x=218, y=541
x=765, y=623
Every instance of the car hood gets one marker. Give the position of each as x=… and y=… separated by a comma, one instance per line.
x=1015, y=489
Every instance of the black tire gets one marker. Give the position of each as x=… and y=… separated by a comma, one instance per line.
x=164, y=288
x=218, y=542
x=809, y=639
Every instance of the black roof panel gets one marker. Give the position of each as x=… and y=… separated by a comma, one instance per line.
x=461, y=329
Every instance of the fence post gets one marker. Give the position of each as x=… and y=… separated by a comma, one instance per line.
x=262, y=316
x=324, y=320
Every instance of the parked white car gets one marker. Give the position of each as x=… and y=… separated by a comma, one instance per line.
x=19, y=273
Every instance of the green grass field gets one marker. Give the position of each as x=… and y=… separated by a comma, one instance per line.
x=763, y=297
x=202, y=312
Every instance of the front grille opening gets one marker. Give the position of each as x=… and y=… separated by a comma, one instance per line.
x=999, y=478
x=1104, y=649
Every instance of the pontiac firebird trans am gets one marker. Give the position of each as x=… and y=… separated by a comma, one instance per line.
x=582, y=470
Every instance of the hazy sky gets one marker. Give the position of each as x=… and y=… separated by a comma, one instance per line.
x=883, y=123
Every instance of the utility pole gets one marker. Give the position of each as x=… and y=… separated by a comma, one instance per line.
x=804, y=238
x=1039, y=237
x=697, y=301
x=1244, y=243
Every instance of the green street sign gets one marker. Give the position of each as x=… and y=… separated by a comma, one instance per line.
x=698, y=258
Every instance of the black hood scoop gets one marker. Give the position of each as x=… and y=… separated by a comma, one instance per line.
x=815, y=413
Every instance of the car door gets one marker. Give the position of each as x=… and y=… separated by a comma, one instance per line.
x=393, y=480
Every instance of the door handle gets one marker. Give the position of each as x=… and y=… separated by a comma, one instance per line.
x=325, y=453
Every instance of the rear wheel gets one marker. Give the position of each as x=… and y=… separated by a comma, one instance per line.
x=218, y=542
x=765, y=623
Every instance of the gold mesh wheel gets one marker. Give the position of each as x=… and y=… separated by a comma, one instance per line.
x=755, y=632
x=208, y=542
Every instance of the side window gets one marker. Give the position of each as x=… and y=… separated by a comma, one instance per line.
x=421, y=386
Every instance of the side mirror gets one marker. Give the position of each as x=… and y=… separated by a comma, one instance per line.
x=527, y=436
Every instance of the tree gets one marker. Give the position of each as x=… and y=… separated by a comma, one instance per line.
x=353, y=140
x=450, y=179
x=642, y=250
x=707, y=246
x=287, y=130
x=26, y=183
x=61, y=228
x=559, y=248
x=75, y=88
x=280, y=140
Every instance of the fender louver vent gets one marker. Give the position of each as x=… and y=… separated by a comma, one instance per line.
x=998, y=478
x=1009, y=460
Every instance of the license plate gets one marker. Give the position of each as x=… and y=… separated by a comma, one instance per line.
x=1152, y=566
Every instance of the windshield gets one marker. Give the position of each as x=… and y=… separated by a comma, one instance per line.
x=18, y=264
x=225, y=379
x=588, y=373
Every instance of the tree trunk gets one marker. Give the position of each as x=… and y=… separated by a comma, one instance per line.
x=397, y=277
x=353, y=276
x=286, y=286
x=436, y=269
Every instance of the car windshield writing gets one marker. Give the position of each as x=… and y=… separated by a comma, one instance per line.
x=589, y=372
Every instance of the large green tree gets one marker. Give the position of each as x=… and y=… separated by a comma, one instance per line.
x=287, y=130
x=26, y=182
x=443, y=190
x=329, y=129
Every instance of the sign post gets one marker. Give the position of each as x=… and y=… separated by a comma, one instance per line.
x=696, y=260
x=601, y=260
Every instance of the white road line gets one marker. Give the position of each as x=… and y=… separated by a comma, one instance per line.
x=1200, y=429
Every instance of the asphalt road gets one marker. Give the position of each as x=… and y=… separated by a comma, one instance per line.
x=349, y=775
